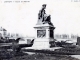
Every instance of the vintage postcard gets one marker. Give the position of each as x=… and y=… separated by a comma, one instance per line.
x=39, y=29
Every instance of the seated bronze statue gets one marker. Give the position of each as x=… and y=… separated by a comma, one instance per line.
x=43, y=18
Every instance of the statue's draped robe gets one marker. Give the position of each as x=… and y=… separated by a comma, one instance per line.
x=41, y=14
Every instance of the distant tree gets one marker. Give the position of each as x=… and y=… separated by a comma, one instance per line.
x=64, y=36
x=74, y=36
x=8, y=35
x=17, y=35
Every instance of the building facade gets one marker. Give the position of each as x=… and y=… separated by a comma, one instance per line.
x=3, y=32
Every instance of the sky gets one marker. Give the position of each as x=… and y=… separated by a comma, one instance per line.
x=21, y=17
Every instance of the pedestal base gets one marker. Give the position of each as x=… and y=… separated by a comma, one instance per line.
x=44, y=35
x=41, y=43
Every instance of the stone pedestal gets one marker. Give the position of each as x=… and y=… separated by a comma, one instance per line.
x=44, y=34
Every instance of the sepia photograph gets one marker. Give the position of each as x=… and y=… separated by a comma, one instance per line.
x=39, y=30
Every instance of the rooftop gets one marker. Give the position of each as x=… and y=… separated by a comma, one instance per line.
x=2, y=29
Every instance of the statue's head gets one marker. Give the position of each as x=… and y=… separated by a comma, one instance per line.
x=44, y=6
